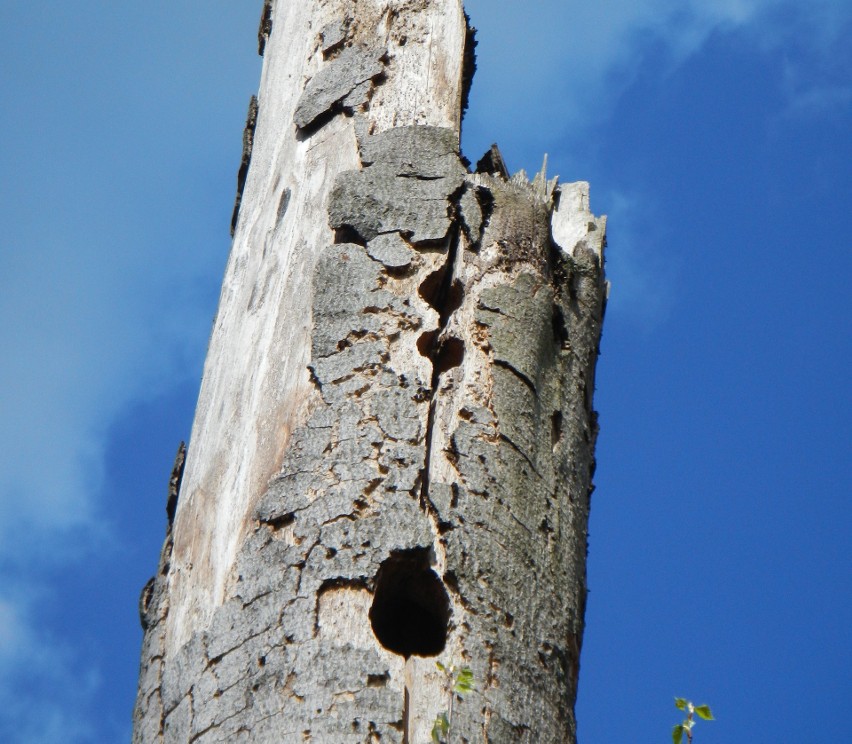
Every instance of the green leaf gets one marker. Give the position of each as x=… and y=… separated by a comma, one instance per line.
x=680, y=703
x=440, y=728
x=677, y=734
x=703, y=711
x=464, y=682
x=440, y=666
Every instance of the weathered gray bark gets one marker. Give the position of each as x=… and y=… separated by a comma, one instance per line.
x=394, y=444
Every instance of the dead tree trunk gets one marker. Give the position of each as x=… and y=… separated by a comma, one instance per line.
x=392, y=454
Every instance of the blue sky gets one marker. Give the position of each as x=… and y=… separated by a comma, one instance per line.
x=716, y=137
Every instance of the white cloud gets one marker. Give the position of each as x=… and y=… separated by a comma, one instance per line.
x=121, y=165
x=558, y=66
x=44, y=690
x=82, y=341
x=551, y=70
x=643, y=273
x=115, y=225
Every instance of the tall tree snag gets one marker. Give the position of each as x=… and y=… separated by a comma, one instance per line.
x=392, y=455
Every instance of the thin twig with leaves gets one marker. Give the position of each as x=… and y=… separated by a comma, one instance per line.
x=702, y=711
x=458, y=682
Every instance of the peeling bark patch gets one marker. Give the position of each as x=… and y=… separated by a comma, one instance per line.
x=469, y=64
x=420, y=150
x=145, y=601
x=411, y=610
x=248, y=144
x=410, y=177
x=351, y=71
x=391, y=250
x=175, y=481
x=492, y=164
x=265, y=29
x=471, y=214
x=333, y=36
x=379, y=199
x=345, y=503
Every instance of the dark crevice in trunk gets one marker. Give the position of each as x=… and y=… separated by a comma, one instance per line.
x=445, y=294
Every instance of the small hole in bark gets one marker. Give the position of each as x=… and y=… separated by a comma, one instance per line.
x=451, y=354
x=348, y=234
x=453, y=301
x=443, y=297
x=281, y=522
x=556, y=428
x=430, y=288
x=283, y=203
x=452, y=581
x=378, y=680
x=426, y=343
x=411, y=609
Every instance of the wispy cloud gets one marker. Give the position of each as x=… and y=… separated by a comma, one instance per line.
x=573, y=59
x=82, y=340
x=642, y=271
x=110, y=236
x=552, y=71
x=118, y=169
x=45, y=689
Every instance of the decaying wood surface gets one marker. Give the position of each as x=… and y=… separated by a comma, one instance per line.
x=392, y=455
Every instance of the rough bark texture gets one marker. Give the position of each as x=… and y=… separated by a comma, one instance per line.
x=394, y=444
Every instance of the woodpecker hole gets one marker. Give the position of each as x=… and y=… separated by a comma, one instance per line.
x=411, y=609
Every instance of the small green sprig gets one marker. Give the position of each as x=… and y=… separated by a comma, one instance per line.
x=458, y=682
x=691, y=710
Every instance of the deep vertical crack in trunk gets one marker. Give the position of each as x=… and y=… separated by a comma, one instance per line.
x=443, y=303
